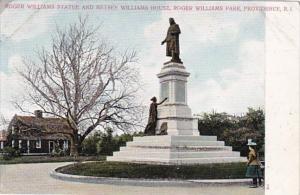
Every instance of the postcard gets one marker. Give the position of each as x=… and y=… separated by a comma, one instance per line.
x=149, y=97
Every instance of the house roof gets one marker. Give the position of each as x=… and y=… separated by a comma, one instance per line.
x=47, y=124
x=3, y=135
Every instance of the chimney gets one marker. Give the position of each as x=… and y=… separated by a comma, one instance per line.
x=38, y=113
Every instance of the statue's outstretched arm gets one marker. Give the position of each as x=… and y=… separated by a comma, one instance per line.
x=162, y=101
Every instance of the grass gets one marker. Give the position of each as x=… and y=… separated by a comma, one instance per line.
x=132, y=170
x=48, y=159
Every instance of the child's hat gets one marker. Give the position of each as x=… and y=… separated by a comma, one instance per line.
x=251, y=143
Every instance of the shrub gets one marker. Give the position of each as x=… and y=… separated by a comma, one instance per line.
x=215, y=123
x=105, y=143
x=238, y=139
x=89, y=145
x=235, y=130
x=9, y=153
x=58, y=151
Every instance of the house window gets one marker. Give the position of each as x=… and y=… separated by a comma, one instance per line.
x=38, y=143
x=13, y=130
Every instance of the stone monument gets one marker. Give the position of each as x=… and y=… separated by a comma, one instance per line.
x=177, y=139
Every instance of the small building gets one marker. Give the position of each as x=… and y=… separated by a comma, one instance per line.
x=37, y=135
x=3, y=139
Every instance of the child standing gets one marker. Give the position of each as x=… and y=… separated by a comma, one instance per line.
x=253, y=165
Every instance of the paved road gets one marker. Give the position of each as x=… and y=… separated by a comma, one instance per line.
x=35, y=179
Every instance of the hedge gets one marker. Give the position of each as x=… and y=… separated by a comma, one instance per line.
x=132, y=170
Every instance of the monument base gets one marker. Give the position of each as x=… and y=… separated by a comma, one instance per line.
x=182, y=144
x=176, y=150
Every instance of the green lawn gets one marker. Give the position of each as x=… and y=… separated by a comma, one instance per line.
x=131, y=170
x=46, y=159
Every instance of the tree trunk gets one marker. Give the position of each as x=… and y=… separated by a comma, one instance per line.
x=74, y=145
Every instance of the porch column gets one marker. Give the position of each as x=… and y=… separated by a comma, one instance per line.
x=2, y=145
x=20, y=144
x=66, y=144
x=28, y=149
x=12, y=143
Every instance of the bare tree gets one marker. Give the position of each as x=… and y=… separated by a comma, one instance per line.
x=4, y=122
x=84, y=81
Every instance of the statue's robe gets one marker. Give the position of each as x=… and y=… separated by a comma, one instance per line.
x=172, y=40
x=150, y=128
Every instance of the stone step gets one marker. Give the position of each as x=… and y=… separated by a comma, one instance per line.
x=158, y=154
x=147, y=149
x=178, y=160
x=176, y=143
x=175, y=149
x=135, y=160
x=176, y=137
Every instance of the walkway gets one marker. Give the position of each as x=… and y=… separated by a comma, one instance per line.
x=35, y=179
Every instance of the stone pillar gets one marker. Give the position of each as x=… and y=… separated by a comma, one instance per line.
x=175, y=112
x=173, y=79
x=28, y=146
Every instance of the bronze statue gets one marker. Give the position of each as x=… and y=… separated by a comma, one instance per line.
x=172, y=40
x=150, y=128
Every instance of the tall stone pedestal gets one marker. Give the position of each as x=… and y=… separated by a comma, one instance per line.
x=175, y=112
x=182, y=144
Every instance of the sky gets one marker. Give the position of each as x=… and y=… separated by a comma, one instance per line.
x=223, y=50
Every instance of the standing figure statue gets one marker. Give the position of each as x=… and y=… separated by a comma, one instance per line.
x=172, y=40
x=150, y=128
